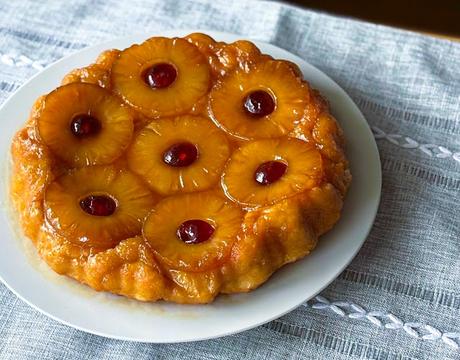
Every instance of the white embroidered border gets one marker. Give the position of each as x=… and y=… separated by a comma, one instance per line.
x=386, y=320
x=408, y=143
x=20, y=61
x=396, y=139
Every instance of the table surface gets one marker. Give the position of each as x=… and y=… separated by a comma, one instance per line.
x=439, y=19
x=400, y=297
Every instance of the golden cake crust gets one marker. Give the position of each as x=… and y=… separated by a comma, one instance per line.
x=280, y=231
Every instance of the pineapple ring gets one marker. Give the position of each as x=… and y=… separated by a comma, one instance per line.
x=278, y=79
x=161, y=226
x=192, y=81
x=66, y=217
x=304, y=171
x=64, y=103
x=144, y=156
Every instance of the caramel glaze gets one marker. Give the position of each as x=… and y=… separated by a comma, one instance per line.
x=270, y=236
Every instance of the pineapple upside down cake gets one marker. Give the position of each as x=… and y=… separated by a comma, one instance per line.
x=179, y=169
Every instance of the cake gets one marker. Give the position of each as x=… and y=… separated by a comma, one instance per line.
x=178, y=169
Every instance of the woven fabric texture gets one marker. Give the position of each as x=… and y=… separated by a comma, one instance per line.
x=400, y=297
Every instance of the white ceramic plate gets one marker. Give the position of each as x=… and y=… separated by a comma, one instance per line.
x=112, y=316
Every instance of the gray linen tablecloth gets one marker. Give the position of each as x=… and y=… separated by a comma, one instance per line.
x=400, y=297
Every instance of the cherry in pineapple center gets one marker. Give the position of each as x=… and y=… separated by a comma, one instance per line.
x=160, y=76
x=180, y=154
x=195, y=231
x=259, y=103
x=84, y=125
x=270, y=172
x=98, y=205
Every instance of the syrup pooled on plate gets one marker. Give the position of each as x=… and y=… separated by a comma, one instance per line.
x=179, y=169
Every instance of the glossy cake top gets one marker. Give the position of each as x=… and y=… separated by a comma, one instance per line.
x=179, y=168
